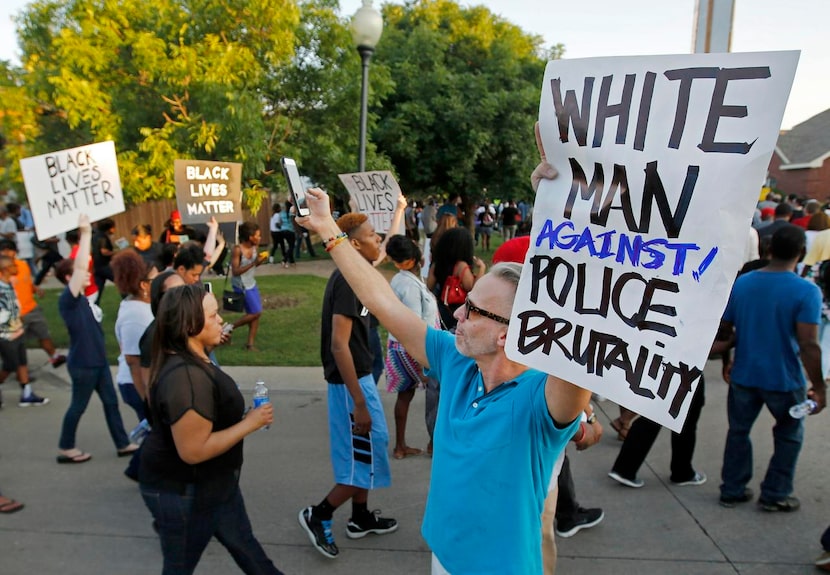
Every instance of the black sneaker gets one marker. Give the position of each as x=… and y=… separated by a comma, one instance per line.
x=730, y=501
x=582, y=519
x=32, y=400
x=319, y=532
x=372, y=523
x=786, y=504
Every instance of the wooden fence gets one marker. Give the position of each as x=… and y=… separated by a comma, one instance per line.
x=157, y=213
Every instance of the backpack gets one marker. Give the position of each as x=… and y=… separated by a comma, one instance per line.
x=486, y=218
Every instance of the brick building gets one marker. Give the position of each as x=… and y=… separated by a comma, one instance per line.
x=801, y=161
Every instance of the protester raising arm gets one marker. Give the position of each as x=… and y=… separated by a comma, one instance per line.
x=370, y=287
x=80, y=269
x=393, y=228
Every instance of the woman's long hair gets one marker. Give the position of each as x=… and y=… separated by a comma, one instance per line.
x=181, y=315
x=456, y=245
x=447, y=222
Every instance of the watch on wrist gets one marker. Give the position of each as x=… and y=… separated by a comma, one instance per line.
x=591, y=418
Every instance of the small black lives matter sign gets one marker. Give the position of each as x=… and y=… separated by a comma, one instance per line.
x=61, y=185
x=374, y=194
x=208, y=189
x=636, y=244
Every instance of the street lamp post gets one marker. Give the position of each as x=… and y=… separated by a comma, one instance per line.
x=367, y=26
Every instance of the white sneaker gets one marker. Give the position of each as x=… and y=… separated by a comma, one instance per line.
x=635, y=483
x=698, y=479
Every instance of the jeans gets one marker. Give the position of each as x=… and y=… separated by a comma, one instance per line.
x=130, y=396
x=85, y=380
x=283, y=239
x=644, y=432
x=743, y=406
x=185, y=530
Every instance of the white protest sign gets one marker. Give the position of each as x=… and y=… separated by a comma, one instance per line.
x=375, y=194
x=636, y=244
x=206, y=189
x=61, y=185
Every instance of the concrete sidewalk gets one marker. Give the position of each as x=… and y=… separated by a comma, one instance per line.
x=90, y=519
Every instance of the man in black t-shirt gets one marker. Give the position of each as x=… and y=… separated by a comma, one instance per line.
x=359, y=438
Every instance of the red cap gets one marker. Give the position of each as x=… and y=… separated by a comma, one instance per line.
x=175, y=215
x=513, y=250
x=768, y=212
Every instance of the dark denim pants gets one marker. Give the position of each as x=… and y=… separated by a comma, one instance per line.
x=85, y=380
x=186, y=527
x=743, y=406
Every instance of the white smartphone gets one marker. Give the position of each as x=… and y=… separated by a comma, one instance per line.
x=295, y=186
x=208, y=287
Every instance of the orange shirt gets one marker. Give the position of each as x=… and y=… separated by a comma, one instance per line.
x=24, y=287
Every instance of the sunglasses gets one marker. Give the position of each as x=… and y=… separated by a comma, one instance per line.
x=470, y=307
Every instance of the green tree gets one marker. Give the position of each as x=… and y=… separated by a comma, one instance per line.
x=316, y=99
x=164, y=80
x=467, y=88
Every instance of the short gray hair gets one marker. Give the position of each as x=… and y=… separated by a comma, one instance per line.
x=508, y=271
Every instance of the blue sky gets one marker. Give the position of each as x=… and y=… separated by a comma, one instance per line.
x=591, y=28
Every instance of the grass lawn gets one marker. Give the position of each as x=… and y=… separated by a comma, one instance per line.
x=289, y=329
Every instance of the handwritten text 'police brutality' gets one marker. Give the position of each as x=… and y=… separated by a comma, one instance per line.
x=76, y=181
x=634, y=288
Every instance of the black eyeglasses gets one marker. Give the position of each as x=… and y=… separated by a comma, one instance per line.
x=470, y=307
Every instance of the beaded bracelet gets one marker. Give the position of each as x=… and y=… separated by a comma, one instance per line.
x=331, y=243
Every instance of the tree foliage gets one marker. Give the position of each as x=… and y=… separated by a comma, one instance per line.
x=163, y=79
x=453, y=92
x=467, y=87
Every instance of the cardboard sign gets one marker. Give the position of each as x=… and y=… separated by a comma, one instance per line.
x=62, y=185
x=636, y=244
x=374, y=194
x=208, y=189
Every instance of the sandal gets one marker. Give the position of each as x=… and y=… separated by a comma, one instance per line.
x=9, y=505
x=129, y=450
x=620, y=428
x=76, y=457
x=407, y=452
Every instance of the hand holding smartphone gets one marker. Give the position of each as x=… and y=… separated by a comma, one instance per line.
x=295, y=186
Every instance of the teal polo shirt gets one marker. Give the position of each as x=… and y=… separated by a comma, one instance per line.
x=493, y=457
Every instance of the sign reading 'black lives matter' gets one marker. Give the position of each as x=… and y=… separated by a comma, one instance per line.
x=374, y=194
x=636, y=244
x=207, y=189
x=61, y=185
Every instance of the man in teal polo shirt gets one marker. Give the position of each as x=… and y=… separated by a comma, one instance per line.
x=500, y=425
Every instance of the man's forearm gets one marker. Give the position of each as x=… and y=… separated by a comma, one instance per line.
x=811, y=359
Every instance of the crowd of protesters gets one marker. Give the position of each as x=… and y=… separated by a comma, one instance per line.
x=446, y=315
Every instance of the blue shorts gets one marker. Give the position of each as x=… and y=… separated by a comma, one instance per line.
x=253, y=301
x=358, y=460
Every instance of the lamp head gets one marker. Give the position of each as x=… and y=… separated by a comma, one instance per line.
x=367, y=26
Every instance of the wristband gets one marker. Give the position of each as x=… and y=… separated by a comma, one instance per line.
x=331, y=243
x=576, y=439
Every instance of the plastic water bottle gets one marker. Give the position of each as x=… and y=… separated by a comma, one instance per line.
x=803, y=409
x=261, y=396
x=139, y=432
